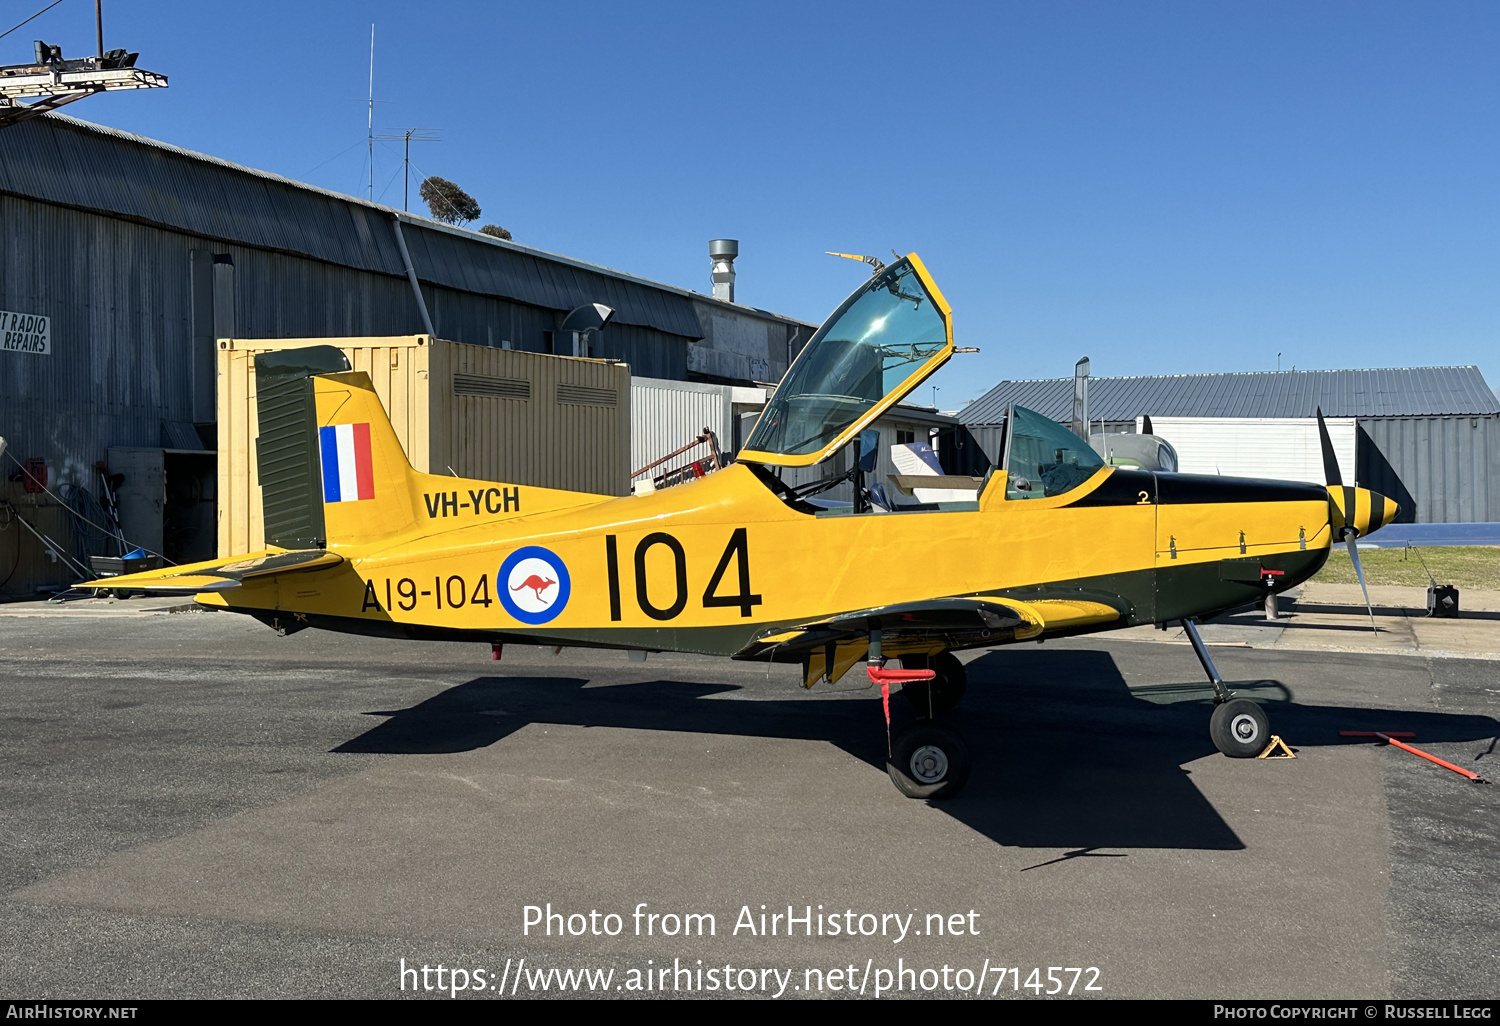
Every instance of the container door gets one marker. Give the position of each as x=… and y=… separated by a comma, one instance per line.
x=142, y=494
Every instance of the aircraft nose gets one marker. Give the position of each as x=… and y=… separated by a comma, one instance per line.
x=1370, y=510
x=1385, y=507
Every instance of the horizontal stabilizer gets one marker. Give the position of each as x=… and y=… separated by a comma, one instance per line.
x=220, y=574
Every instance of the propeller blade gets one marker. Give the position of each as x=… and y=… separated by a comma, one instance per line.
x=1331, y=475
x=1335, y=479
x=1146, y=425
x=1359, y=572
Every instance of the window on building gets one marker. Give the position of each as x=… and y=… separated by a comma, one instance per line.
x=905, y=437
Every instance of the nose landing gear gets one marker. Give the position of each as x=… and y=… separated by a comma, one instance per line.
x=1238, y=727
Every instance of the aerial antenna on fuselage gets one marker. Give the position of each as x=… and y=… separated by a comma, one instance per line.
x=876, y=264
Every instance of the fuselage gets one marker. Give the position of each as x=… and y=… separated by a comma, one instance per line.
x=710, y=565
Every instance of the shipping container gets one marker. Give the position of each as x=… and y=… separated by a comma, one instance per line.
x=471, y=411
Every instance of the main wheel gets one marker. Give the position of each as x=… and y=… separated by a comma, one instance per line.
x=928, y=761
x=1239, y=728
x=942, y=693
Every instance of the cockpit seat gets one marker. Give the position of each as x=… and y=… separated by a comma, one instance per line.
x=921, y=476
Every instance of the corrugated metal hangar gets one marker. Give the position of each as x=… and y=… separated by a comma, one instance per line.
x=125, y=259
x=1429, y=437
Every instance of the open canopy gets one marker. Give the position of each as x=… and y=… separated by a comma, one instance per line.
x=886, y=338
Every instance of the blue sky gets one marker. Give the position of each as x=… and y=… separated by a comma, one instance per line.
x=1165, y=187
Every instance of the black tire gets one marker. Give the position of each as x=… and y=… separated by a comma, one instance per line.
x=928, y=761
x=121, y=593
x=1240, y=728
x=933, y=698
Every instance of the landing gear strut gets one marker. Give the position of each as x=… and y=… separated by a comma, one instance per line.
x=1238, y=727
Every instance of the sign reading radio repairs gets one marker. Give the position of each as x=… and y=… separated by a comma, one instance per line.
x=25, y=333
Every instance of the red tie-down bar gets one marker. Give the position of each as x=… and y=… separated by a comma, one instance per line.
x=1390, y=737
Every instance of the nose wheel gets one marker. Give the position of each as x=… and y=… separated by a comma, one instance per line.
x=1239, y=728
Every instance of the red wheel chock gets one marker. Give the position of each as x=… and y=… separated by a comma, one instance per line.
x=1390, y=738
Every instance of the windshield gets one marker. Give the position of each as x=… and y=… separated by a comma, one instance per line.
x=882, y=334
x=1045, y=458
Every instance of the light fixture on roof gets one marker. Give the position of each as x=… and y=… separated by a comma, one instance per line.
x=52, y=80
x=585, y=322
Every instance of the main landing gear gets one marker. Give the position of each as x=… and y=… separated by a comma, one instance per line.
x=932, y=698
x=929, y=761
x=1238, y=727
x=926, y=760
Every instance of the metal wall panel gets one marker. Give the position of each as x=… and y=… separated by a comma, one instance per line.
x=572, y=432
x=990, y=438
x=666, y=415
x=120, y=336
x=1447, y=468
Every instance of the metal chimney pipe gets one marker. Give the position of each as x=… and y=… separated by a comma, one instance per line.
x=722, y=252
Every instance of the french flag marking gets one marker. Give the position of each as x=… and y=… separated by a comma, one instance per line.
x=348, y=468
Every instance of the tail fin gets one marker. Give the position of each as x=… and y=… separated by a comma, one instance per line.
x=333, y=473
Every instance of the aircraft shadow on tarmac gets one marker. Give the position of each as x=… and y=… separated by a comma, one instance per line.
x=1065, y=755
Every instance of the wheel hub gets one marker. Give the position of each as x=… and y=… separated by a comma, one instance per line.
x=929, y=764
x=1244, y=728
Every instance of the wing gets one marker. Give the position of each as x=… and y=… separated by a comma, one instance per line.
x=927, y=626
x=220, y=574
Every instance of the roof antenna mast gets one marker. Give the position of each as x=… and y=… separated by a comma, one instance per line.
x=409, y=136
x=371, y=126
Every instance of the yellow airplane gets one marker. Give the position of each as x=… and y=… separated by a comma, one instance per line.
x=741, y=564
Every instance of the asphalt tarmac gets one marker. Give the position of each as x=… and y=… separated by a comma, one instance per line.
x=192, y=806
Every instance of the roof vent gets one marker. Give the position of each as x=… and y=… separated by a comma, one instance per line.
x=722, y=252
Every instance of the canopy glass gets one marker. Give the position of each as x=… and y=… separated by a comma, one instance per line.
x=881, y=343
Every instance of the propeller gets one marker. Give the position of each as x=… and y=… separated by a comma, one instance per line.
x=1146, y=425
x=1348, y=532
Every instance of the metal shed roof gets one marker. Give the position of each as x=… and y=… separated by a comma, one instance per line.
x=1392, y=392
x=70, y=162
